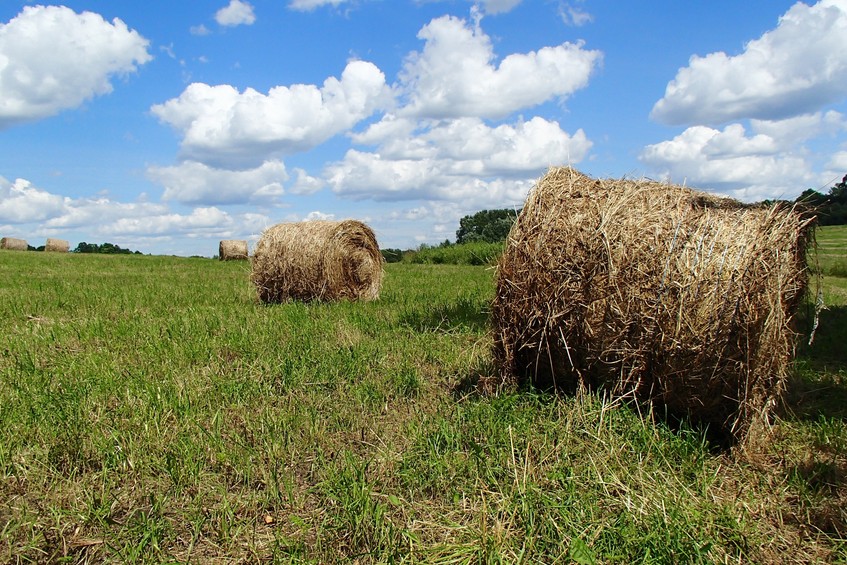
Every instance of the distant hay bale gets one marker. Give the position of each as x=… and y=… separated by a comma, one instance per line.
x=232, y=250
x=317, y=260
x=652, y=291
x=57, y=245
x=13, y=243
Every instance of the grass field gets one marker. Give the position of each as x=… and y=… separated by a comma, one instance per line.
x=152, y=411
x=832, y=241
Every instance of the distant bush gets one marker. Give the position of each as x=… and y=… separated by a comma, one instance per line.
x=392, y=255
x=106, y=248
x=476, y=253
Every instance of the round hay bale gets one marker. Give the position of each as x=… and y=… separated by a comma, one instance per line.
x=652, y=291
x=13, y=243
x=317, y=260
x=232, y=250
x=57, y=245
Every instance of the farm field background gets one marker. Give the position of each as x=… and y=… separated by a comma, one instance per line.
x=152, y=410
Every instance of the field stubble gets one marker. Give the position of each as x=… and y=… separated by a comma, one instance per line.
x=152, y=410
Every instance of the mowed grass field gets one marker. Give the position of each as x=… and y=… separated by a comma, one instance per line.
x=152, y=411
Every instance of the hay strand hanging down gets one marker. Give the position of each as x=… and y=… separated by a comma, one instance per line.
x=232, y=250
x=317, y=260
x=652, y=290
x=13, y=243
x=57, y=245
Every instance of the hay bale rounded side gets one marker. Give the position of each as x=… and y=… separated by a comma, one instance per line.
x=232, y=250
x=654, y=291
x=317, y=260
x=14, y=244
x=57, y=245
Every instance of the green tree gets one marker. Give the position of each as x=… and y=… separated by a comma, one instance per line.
x=838, y=203
x=489, y=226
x=106, y=248
x=831, y=208
x=84, y=247
x=392, y=255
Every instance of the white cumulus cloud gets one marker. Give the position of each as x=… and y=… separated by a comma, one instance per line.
x=455, y=74
x=88, y=213
x=797, y=68
x=304, y=183
x=460, y=160
x=803, y=127
x=838, y=162
x=191, y=182
x=747, y=167
x=235, y=13
x=20, y=202
x=26, y=209
x=223, y=127
x=52, y=59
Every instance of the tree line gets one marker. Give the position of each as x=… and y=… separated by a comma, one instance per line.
x=105, y=248
x=831, y=208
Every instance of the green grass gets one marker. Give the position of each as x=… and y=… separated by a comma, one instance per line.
x=832, y=243
x=152, y=411
x=476, y=253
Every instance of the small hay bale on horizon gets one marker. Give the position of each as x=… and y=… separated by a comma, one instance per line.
x=57, y=245
x=317, y=260
x=232, y=250
x=652, y=291
x=14, y=244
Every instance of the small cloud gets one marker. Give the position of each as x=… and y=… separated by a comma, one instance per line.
x=235, y=14
x=305, y=183
x=318, y=215
x=309, y=5
x=199, y=30
x=495, y=6
x=574, y=15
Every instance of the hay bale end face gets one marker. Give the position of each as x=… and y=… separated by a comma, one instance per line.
x=13, y=243
x=232, y=250
x=652, y=291
x=317, y=260
x=57, y=245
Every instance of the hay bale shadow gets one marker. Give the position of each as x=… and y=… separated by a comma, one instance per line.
x=465, y=314
x=483, y=381
x=817, y=386
x=827, y=352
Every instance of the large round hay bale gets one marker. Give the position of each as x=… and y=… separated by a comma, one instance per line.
x=13, y=243
x=57, y=245
x=317, y=260
x=652, y=291
x=232, y=250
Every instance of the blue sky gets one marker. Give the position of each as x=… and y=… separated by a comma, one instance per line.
x=166, y=127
